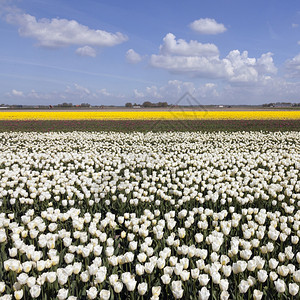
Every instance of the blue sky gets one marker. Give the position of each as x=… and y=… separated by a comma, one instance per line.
x=113, y=52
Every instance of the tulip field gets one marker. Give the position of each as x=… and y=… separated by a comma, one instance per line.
x=150, y=215
x=153, y=115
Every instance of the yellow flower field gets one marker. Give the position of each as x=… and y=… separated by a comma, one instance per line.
x=150, y=115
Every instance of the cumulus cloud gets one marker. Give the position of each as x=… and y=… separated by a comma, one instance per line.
x=268, y=89
x=265, y=64
x=292, y=67
x=242, y=68
x=132, y=57
x=207, y=26
x=203, y=60
x=56, y=33
x=199, y=66
x=180, y=47
x=86, y=51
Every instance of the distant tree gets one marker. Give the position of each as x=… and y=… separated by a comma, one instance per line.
x=268, y=105
x=128, y=104
x=147, y=104
x=85, y=105
x=65, y=104
x=162, y=104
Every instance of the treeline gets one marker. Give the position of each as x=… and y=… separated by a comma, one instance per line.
x=65, y=104
x=147, y=104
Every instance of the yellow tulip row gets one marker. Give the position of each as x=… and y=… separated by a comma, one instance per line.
x=151, y=115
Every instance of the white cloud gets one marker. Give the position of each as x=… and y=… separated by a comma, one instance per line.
x=266, y=90
x=138, y=94
x=248, y=70
x=265, y=64
x=6, y=6
x=17, y=93
x=82, y=89
x=133, y=57
x=242, y=68
x=56, y=33
x=207, y=26
x=200, y=66
x=295, y=25
x=86, y=51
x=153, y=91
x=292, y=67
x=180, y=47
x=104, y=92
x=74, y=93
x=175, y=89
x=202, y=60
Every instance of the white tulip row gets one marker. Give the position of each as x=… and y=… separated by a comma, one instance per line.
x=155, y=215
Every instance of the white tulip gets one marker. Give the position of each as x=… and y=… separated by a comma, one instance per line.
x=296, y=276
x=156, y=291
x=203, y=294
x=2, y=286
x=130, y=285
x=273, y=263
x=224, y=284
x=104, y=294
x=62, y=294
x=31, y=281
x=118, y=286
x=142, y=257
x=243, y=286
x=280, y=285
x=84, y=276
x=92, y=293
x=176, y=287
x=22, y=278
x=149, y=267
x=35, y=291
x=257, y=295
x=262, y=275
x=77, y=267
x=293, y=289
x=142, y=288
x=18, y=294
x=203, y=279
x=166, y=279
x=224, y=295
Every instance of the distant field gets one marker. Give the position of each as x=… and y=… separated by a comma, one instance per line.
x=150, y=115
